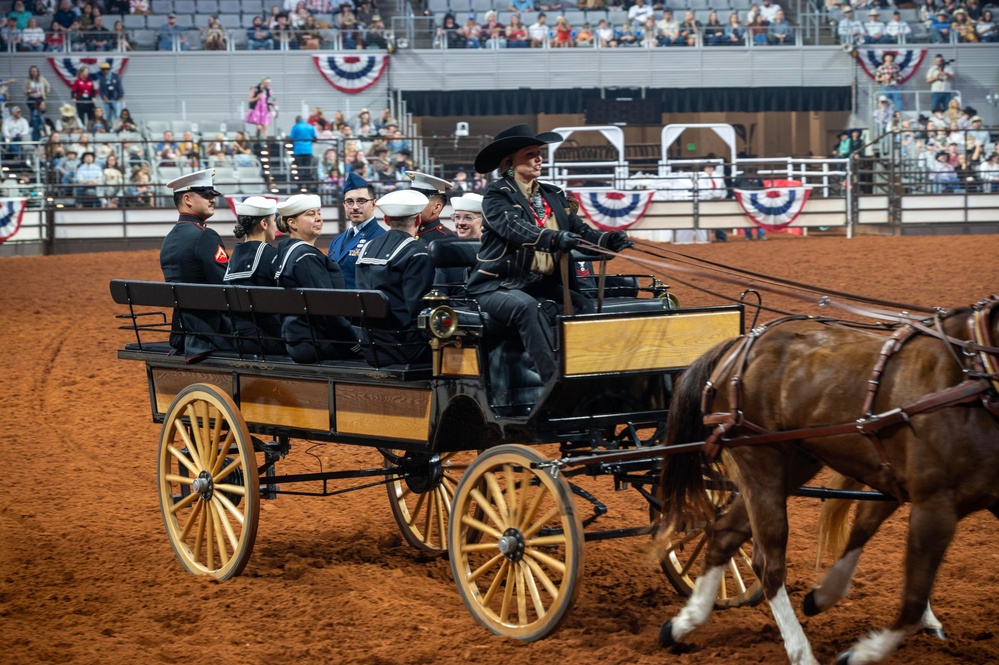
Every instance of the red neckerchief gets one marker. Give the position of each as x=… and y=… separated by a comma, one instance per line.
x=548, y=211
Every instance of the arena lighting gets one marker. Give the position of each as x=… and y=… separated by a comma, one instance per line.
x=49, y=200
x=60, y=205
x=274, y=190
x=265, y=159
x=264, y=152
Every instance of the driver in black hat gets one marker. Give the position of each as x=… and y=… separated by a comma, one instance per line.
x=193, y=253
x=527, y=229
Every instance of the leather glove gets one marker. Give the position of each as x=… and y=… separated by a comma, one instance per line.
x=566, y=241
x=618, y=241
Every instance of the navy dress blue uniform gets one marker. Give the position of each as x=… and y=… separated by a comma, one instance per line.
x=193, y=253
x=315, y=338
x=398, y=265
x=347, y=246
x=253, y=263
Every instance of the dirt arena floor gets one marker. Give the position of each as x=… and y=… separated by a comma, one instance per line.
x=87, y=574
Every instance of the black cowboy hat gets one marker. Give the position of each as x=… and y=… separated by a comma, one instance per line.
x=509, y=141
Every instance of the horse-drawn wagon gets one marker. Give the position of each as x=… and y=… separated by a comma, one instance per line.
x=454, y=435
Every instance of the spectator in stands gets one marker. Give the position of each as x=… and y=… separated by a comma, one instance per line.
x=171, y=35
x=16, y=130
x=953, y=112
x=521, y=6
x=139, y=7
x=714, y=31
x=757, y=31
x=875, y=30
x=375, y=37
x=979, y=133
x=69, y=122
x=125, y=123
x=882, y=114
x=689, y=30
x=897, y=31
x=242, y=152
x=262, y=105
x=471, y=31
x=36, y=87
x=850, y=30
x=639, y=13
x=963, y=27
x=122, y=42
x=768, y=11
x=98, y=122
x=83, y=93
x=19, y=15
x=330, y=169
x=988, y=173
x=492, y=29
x=98, y=37
x=987, y=29
x=939, y=77
x=449, y=34
x=779, y=32
x=41, y=126
x=668, y=30
x=218, y=152
x=139, y=186
x=734, y=34
x=89, y=176
x=85, y=15
x=303, y=135
x=563, y=33
x=167, y=150
x=887, y=75
x=117, y=6
x=66, y=170
x=754, y=11
x=215, y=38
x=516, y=33
x=10, y=36
x=258, y=37
x=190, y=151
x=113, y=180
x=605, y=35
x=940, y=27
x=309, y=37
x=585, y=37
x=347, y=22
x=32, y=37
x=538, y=32
x=64, y=18
x=111, y=91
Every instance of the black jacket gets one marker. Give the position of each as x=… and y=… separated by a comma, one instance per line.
x=192, y=253
x=398, y=265
x=253, y=264
x=511, y=236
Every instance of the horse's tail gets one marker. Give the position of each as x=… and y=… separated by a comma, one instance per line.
x=834, y=528
x=682, y=490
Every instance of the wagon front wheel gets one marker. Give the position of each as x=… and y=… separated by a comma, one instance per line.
x=209, y=487
x=516, y=544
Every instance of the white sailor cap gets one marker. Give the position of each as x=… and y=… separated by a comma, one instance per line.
x=428, y=183
x=402, y=203
x=298, y=204
x=197, y=181
x=256, y=206
x=468, y=203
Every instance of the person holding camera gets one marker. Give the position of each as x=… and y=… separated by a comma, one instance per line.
x=939, y=78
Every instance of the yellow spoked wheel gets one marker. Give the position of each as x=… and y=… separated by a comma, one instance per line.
x=208, y=483
x=421, y=501
x=681, y=556
x=516, y=544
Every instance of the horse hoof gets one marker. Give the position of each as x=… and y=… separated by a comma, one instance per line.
x=935, y=632
x=809, y=607
x=844, y=658
x=666, y=635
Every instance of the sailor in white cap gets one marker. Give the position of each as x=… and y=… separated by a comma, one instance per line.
x=193, y=253
x=434, y=188
x=302, y=266
x=253, y=264
x=467, y=216
x=397, y=264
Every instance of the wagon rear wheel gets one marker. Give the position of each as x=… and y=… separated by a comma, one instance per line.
x=516, y=544
x=681, y=555
x=421, y=501
x=208, y=483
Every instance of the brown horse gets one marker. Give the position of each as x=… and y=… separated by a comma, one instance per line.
x=914, y=416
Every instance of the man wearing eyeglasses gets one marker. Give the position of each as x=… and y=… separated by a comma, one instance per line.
x=193, y=253
x=359, y=211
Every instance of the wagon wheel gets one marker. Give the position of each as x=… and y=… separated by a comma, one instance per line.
x=208, y=482
x=516, y=566
x=421, y=502
x=681, y=556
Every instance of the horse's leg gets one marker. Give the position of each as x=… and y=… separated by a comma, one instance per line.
x=931, y=528
x=837, y=580
x=728, y=534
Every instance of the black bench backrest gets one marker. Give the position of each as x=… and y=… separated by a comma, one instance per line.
x=246, y=299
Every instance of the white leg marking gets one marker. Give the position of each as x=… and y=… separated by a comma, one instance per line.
x=876, y=646
x=929, y=620
x=799, y=651
x=697, y=610
x=837, y=581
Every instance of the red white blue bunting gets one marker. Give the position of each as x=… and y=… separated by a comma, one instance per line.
x=775, y=208
x=66, y=68
x=907, y=61
x=352, y=73
x=614, y=211
x=11, y=213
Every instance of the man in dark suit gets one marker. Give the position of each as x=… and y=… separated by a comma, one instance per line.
x=359, y=208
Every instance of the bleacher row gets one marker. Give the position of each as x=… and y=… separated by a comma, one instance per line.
x=461, y=8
